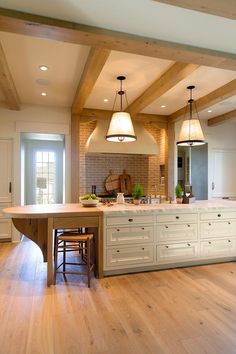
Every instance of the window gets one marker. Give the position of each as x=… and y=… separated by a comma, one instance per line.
x=45, y=177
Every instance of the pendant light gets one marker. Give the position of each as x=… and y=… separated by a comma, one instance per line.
x=121, y=129
x=191, y=132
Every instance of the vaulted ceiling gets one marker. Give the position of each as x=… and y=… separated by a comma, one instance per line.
x=83, y=61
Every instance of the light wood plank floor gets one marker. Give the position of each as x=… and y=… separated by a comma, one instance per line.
x=180, y=311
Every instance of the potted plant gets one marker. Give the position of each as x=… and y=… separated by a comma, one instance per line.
x=137, y=194
x=179, y=194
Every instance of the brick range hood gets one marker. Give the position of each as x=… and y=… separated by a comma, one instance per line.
x=144, y=145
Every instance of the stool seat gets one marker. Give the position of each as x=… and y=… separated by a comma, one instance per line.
x=74, y=237
x=74, y=240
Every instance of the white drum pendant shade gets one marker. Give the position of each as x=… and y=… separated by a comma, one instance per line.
x=121, y=128
x=191, y=133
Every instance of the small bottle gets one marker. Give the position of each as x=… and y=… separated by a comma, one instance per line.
x=93, y=189
x=120, y=198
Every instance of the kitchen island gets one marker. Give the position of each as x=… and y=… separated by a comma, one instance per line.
x=132, y=238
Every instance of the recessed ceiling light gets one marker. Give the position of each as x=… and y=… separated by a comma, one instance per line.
x=106, y=100
x=163, y=106
x=43, y=67
x=209, y=111
x=43, y=94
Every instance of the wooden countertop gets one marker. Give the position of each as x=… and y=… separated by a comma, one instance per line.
x=49, y=210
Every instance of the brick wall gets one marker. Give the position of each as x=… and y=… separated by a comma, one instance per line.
x=143, y=169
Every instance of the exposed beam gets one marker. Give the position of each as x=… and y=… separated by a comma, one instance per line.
x=221, y=8
x=88, y=115
x=44, y=27
x=7, y=84
x=218, y=95
x=223, y=118
x=169, y=79
x=93, y=67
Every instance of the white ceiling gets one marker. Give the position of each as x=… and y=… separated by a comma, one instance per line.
x=142, y=17
x=145, y=17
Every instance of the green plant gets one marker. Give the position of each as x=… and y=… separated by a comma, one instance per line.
x=178, y=191
x=138, y=191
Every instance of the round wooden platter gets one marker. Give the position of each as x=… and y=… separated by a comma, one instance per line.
x=112, y=183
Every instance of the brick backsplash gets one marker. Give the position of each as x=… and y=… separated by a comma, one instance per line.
x=143, y=169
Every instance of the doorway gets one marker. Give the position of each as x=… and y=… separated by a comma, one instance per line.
x=42, y=168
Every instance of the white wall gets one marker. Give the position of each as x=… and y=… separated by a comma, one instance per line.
x=34, y=119
x=220, y=137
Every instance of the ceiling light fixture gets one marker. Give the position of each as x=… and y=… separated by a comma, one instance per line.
x=191, y=132
x=121, y=128
x=209, y=111
x=43, y=94
x=163, y=106
x=43, y=67
x=106, y=100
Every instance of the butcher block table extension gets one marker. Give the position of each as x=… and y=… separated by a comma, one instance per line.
x=132, y=238
x=37, y=222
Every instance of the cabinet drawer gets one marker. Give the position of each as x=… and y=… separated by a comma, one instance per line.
x=177, y=218
x=177, y=232
x=128, y=256
x=5, y=229
x=217, y=229
x=218, y=248
x=177, y=252
x=126, y=235
x=131, y=219
x=218, y=215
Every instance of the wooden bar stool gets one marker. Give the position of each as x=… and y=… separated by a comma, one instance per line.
x=71, y=241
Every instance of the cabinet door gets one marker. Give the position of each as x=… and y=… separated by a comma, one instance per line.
x=177, y=232
x=218, y=248
x=177, y=252
x=5, y=229
x=5, y=171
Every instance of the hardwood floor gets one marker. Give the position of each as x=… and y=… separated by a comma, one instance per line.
x=180, y=311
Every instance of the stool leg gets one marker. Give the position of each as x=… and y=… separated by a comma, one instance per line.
x=55, y=260
x=88, y=261
x=64, y=256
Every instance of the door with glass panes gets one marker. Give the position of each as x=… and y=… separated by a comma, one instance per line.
x=43, y=172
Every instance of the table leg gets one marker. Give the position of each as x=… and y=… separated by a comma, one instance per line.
x=50, y=265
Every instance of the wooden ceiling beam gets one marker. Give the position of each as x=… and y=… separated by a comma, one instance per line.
x=214, y=97
x=220, y=8
x=169, y=79
x=223, y=118
x=44, y=27
x=96, y=60
x=7, y=84
x=88, y=115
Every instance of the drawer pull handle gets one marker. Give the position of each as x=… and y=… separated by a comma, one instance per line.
x=219, y=215
x=189, y=244
x=229, y=240
x=166, y=246
x=209, y=224
x=188, y=225
x=118, y=251
x=117, y=229
x=229, y=222
x=166, y=226
x=143, y=228
x=130, y=220
x=177, y=217
x=143, y=248
x=209, y=242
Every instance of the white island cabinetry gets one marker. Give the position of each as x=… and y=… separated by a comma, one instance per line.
x=166, y=236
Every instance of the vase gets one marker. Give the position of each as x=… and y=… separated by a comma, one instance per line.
x=137, y=201
x=120, y=199
x=179, y=200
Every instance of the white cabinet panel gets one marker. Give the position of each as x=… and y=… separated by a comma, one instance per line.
x=127, y=235
x=178, y=217
x=217, y=229
x=177, y=252
x=130, y=220
x=5, y=229
x=218, y=248
x=6, y=167
x=130, y=256
x=177, y=232
x=218, y=215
